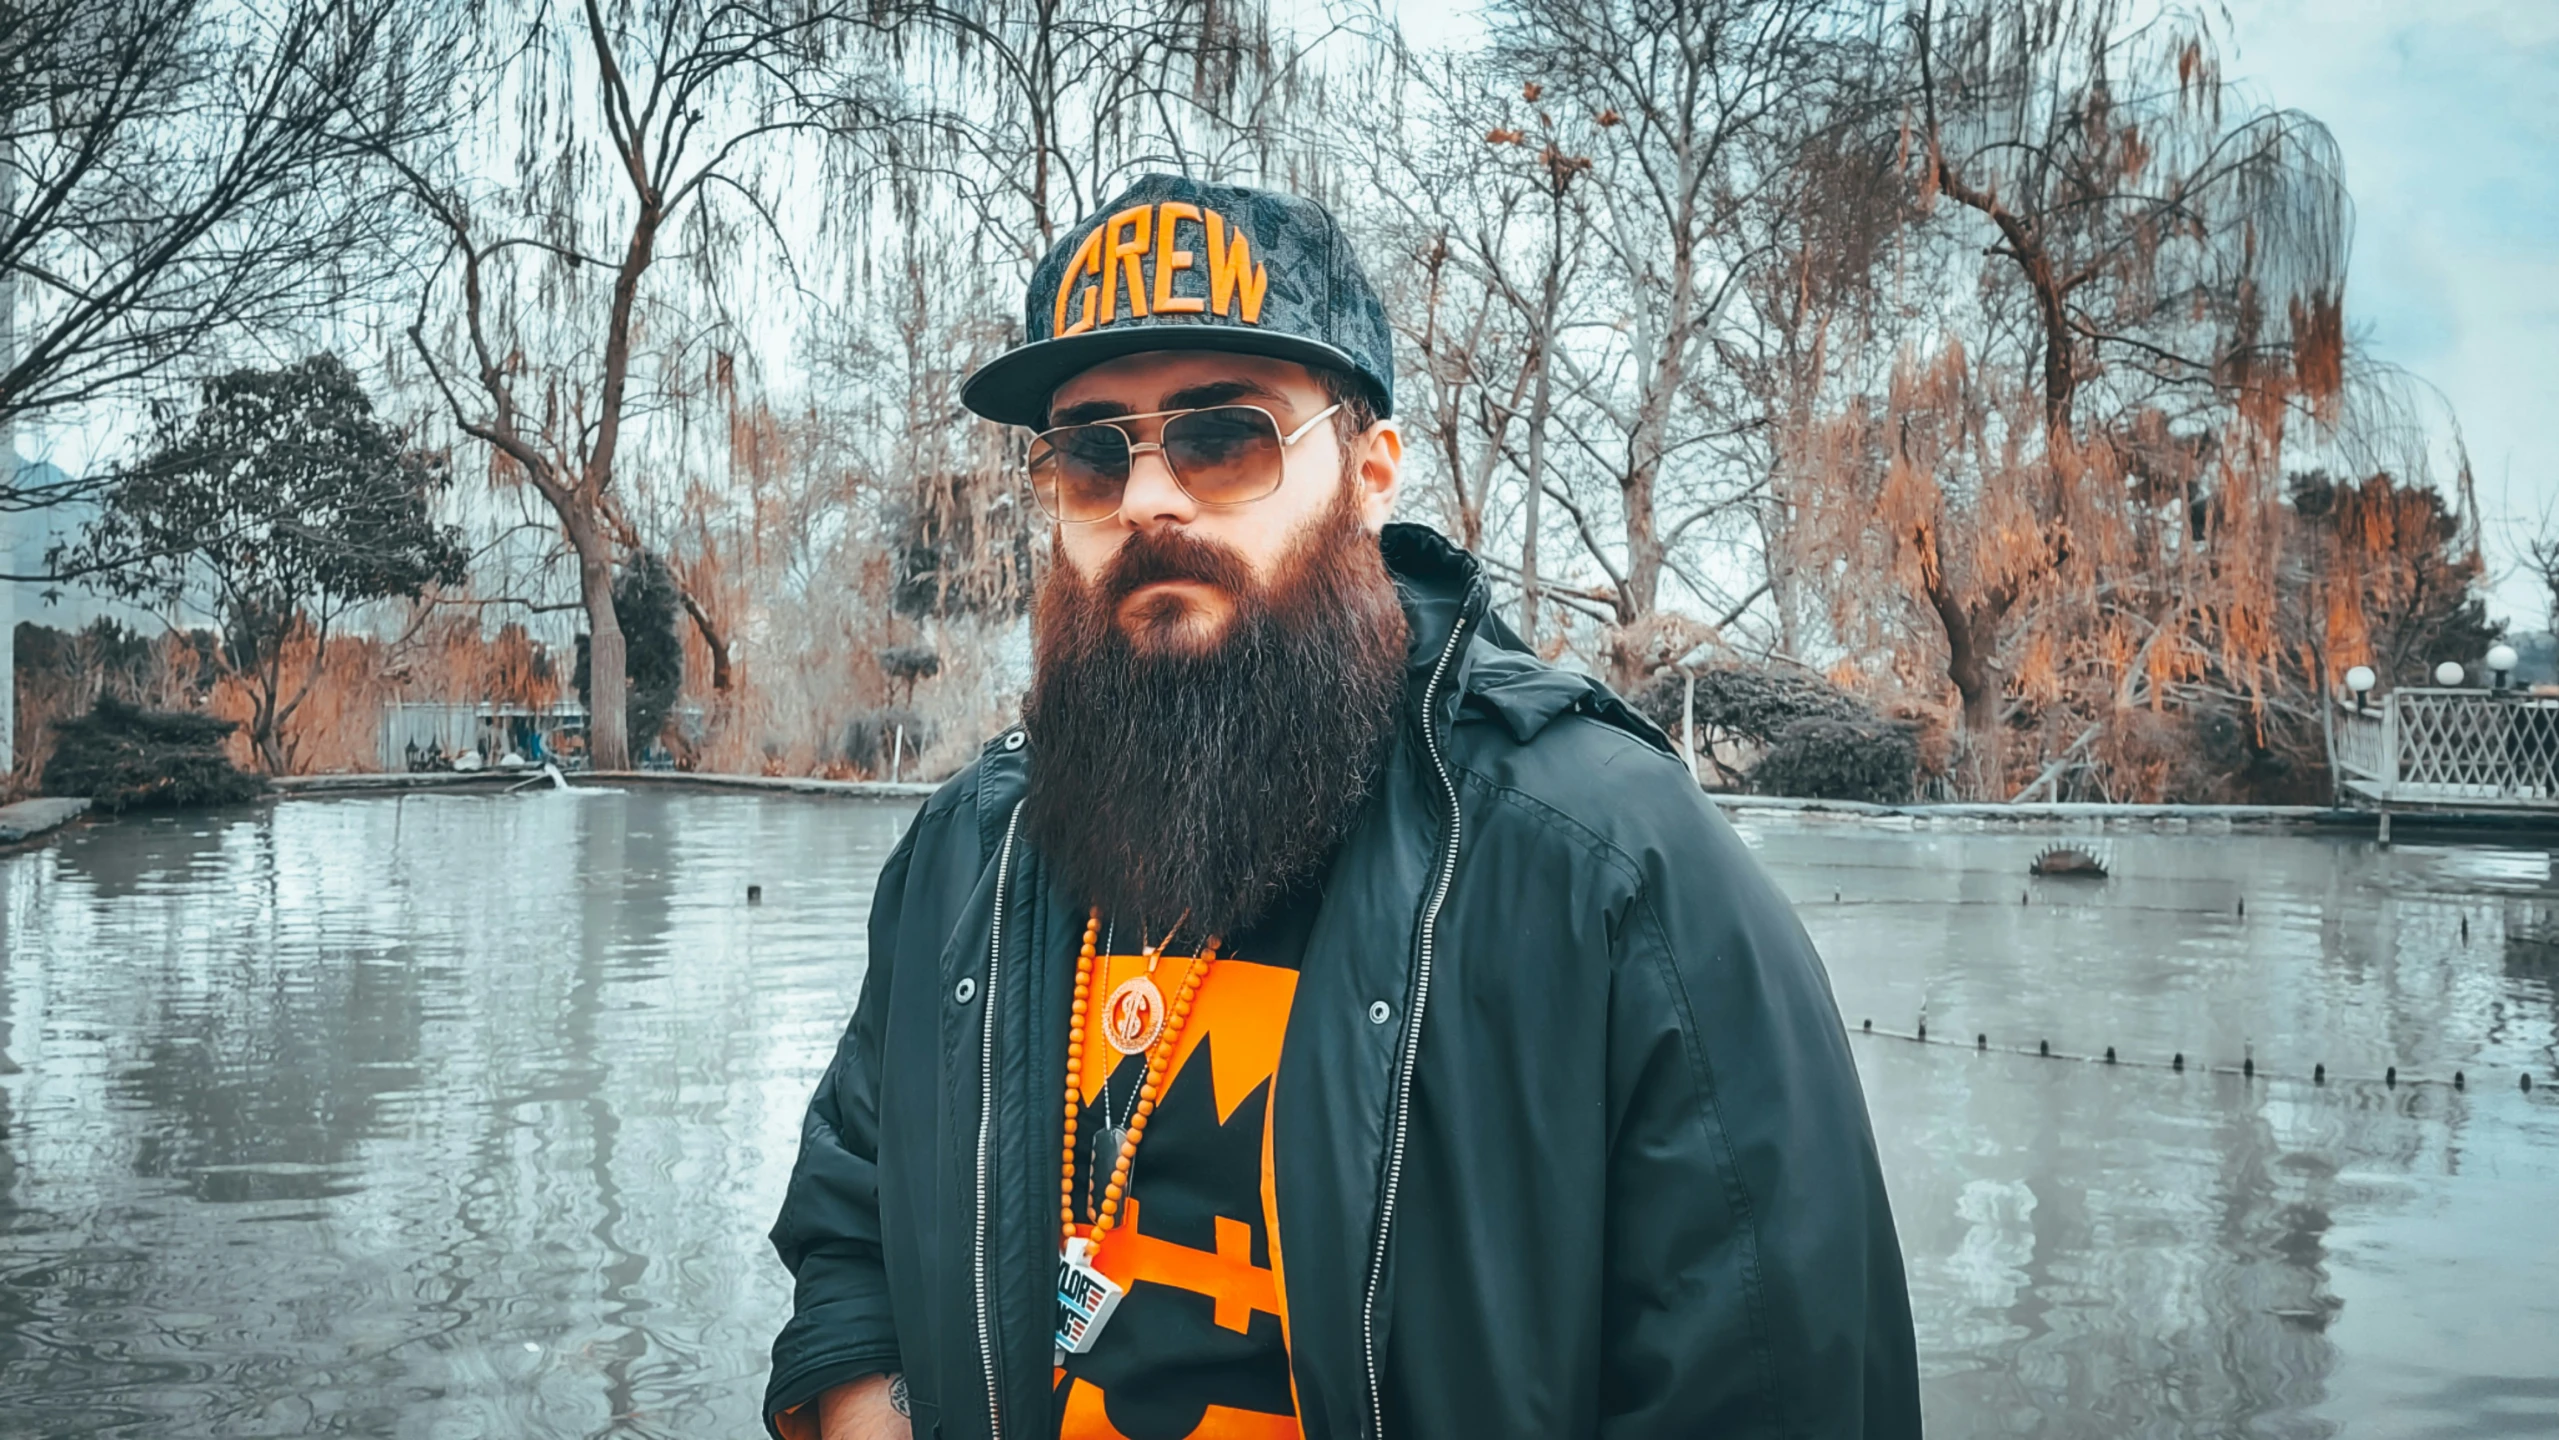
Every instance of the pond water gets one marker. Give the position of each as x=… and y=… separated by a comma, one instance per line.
x=465, y=1115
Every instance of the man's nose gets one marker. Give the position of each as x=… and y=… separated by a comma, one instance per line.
x=1153, y=496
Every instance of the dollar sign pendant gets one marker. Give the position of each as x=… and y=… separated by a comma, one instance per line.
x=1134, y=1016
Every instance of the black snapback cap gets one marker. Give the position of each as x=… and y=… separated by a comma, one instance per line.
x=1176, y=264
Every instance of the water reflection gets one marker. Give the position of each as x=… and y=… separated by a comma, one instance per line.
x=438, y=1115
x=2122, y=1251
x=465, y=1115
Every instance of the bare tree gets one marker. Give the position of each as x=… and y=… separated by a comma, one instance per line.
x=178, y=176
x=1485, y=239
x=646, y=131
x=1030, y=113
x=1701, y=100
x=2541, y=557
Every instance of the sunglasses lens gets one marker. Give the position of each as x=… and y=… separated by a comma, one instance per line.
x=1224, y=455
x=1078, y=471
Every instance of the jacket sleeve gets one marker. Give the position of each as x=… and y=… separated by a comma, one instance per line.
x=828, y=1233
x=1754, y=1283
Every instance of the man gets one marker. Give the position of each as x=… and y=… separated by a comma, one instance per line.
x=1319, y=1017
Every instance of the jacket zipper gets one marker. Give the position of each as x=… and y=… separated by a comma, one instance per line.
x=1412, y=1030
x=986, y=1122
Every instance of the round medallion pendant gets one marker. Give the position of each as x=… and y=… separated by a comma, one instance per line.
x=1134, y=1016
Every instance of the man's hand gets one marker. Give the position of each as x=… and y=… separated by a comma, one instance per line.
x=862, y=1411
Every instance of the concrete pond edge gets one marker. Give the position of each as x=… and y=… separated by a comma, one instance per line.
x=2044, y=816
x=27, y=820
x=504, y=780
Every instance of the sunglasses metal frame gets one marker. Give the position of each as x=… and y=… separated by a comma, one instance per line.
x=1137, y=447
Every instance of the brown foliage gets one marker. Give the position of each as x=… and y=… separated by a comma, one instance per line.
x=61, y=674
x=2068, y=493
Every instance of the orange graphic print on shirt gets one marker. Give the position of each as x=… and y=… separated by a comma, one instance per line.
x=1198, y=1348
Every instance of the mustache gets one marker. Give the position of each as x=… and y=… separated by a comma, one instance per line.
x=1151, y=557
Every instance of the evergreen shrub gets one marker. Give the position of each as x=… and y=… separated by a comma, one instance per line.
x=1821, y=758
x=124, y=757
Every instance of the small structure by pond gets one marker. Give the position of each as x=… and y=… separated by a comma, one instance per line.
x=2068, y=861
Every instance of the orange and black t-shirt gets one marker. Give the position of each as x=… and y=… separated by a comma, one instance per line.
x=1198, y=1348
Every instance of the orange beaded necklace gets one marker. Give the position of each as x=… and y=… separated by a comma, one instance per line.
x=1159, y=1045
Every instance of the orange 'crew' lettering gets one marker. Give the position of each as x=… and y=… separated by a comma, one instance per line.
x=1125, y=253
x=1087, y=261
x=1169, y=261
x=1116, y=255
x=1232, y=273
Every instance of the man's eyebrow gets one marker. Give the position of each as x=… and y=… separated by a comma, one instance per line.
x=1087, y=412
x=1191, y=397
x=1219, y=392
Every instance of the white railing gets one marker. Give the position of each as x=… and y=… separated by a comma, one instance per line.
x=2451, y=747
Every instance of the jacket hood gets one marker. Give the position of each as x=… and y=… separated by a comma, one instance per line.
x=1442, y=588
x=1499, y=677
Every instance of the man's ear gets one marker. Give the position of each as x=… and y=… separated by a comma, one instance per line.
x=1380, y=477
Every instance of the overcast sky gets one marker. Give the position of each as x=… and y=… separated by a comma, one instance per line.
x=2447, y=112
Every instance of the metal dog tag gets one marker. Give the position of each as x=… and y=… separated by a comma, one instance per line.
x=1085, y=1299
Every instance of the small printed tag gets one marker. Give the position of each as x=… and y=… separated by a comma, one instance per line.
x=1085, y=1299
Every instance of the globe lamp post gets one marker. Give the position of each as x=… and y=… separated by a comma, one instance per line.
x=2501, y=663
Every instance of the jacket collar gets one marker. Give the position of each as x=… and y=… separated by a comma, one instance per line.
x=1498, y=676
x=1442, y=588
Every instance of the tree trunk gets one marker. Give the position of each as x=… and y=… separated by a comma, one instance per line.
x=1643, y=544
x=1968, y=667
x=1540, y=410
x=712, y=638
x=262, y=735
x=260, y=664
x=608, y=740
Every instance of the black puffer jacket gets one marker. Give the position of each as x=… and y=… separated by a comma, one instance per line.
x=1568, y=1138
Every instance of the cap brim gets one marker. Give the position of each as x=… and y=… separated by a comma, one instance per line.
x=1014, y=387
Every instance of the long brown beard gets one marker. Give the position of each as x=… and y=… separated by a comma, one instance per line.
x=1168, y=783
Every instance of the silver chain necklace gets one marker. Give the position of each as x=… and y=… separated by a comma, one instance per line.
x=1114, y=1131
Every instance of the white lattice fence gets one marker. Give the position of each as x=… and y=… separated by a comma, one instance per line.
x=2471, y=745
x=2363, y=744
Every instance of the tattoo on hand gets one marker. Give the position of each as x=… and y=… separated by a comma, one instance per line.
x=897, y=1395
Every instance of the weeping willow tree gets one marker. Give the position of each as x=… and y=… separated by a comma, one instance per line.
x=1028, y=114
x=2120, y=312
x=608, y=245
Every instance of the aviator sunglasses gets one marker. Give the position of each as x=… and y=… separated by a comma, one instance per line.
x=1219, y=455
